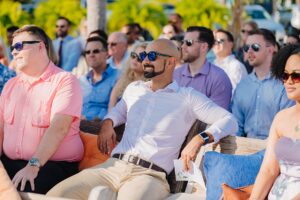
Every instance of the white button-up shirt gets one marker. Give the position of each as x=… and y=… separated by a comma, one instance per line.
x=234, y=69
x=158, y=122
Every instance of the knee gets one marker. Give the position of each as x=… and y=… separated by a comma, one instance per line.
x=102, y=191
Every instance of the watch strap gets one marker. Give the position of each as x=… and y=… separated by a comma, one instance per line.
x=205, y=137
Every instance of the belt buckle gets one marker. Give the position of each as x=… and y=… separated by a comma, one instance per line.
x=133, y=159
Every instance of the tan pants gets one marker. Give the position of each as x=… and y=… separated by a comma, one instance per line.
x=120, y=180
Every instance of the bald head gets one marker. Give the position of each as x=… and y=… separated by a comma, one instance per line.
x=164, y=46
x=118, y=37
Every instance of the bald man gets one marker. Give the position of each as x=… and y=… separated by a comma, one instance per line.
x=117, y=50
x=158, y=115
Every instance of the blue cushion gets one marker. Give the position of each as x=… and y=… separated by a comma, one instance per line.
x=234, y=170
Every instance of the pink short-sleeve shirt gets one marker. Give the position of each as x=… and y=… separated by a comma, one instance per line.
x=27, y=107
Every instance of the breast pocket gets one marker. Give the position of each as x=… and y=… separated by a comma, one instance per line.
x=41, y=116
x=9, y=112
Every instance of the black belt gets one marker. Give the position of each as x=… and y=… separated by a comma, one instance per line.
x=138, y=161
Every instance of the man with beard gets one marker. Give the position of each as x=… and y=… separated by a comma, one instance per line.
x=158, y=115
x=199, y=73
x=258, y=97
x=68, y=54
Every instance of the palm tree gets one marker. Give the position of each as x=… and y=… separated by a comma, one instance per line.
x=96, y=15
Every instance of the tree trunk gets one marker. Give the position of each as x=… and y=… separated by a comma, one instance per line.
x=96, y=15
x=235, y=27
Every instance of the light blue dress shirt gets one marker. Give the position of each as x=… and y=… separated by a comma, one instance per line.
x=71, y=51
x=256, y=102
x=96, y=95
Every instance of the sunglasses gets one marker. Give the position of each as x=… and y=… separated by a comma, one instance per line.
x=134, y=55
x=95, y=51
x=295, y=76
x=219, y=41
x=255, y=47
x=152, y=55
x=245, y=31
x=19, y=45
x=112, y=44
x=190, y=42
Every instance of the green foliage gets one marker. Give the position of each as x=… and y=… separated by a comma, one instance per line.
x=11, y=14
x=208, y=13
x=147, y=14
x=46, y=14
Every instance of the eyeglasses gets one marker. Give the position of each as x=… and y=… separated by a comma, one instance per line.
x=19, y=45
x=94, y=51
x=134, y=55
x=112, y=44
x=245, y=31
x=190, y=42
x=255, y=47
x=295, y=76
x=152, y=55
x=220, y=41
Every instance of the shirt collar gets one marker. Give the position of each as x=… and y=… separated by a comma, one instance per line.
x=203, y=70
x=172, y=87
x=254, y=77
x=104, y=74
x=50, y=69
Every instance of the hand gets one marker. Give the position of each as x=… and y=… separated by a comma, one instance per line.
x=106, y=137
x=28, y=173
x=297, y=197
x=190, y=151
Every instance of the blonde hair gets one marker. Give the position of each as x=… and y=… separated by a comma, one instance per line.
x=129, y=75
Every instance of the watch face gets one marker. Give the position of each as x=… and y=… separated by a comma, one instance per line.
x=34, y=162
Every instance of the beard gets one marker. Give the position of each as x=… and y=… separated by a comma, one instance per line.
x=188, y=58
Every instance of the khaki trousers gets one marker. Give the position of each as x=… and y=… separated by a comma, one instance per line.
x=119, y=180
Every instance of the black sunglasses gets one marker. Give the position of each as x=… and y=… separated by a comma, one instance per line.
x=94, y=51
x=63, y=26
x=134, y=55
x=190, y=42
x=152, y=55
x=19, y=45
x=295, y=76
x=255, y=47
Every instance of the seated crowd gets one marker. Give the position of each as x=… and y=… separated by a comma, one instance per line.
x=157, y=89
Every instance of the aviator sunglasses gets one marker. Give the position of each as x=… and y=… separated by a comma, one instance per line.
x=134, y=55
x=19, y=45
x=255, y=47
x=295, y=77
x=152, y=55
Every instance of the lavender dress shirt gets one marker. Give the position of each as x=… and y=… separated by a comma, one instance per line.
x=210, y=80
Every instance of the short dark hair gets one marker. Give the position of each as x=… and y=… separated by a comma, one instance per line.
x=66, y=19
x=205, y=34
x=97, y=39
x=177, y=15
x=227, y=33
x=100, y=32
x=12, y=29
x=268, y=35
x=134, y=25
x=280, y=59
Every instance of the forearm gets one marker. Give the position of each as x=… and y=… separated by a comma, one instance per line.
x=263, y=184
x=1, y=140
x=52, y=138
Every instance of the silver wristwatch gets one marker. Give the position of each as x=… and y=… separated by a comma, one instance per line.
x=34, y=162
x=205, y=137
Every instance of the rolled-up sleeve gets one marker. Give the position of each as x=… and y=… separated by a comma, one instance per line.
x=222, y=123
